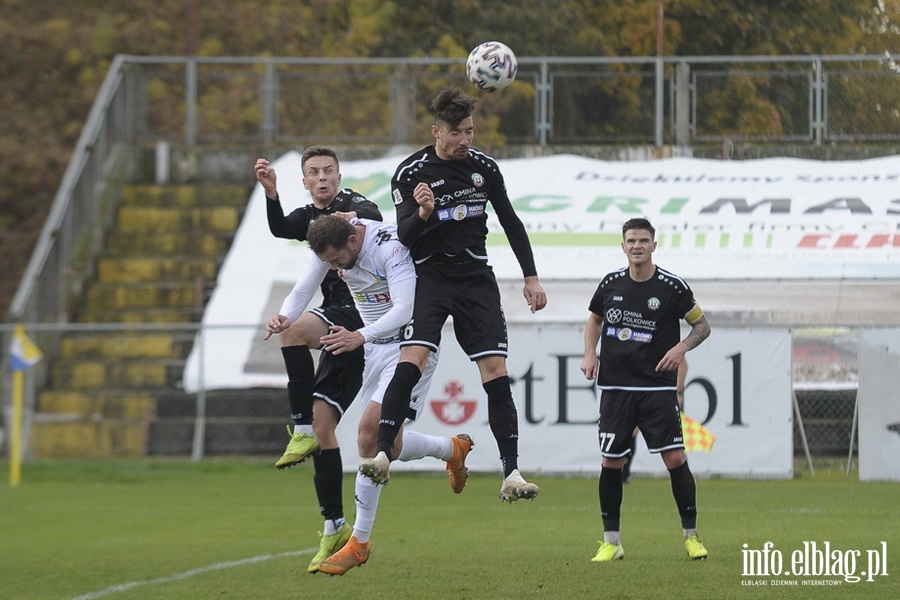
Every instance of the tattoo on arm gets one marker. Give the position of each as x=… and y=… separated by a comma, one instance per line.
x=699, y=331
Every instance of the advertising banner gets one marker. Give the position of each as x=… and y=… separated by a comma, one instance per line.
x=774, y=218
x=738, y=386
x=879, y=404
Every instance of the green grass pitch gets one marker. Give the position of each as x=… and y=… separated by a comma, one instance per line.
x=239, y=529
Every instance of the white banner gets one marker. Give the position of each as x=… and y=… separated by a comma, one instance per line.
x=879, y=404
x=738, y=384
x=773, y=218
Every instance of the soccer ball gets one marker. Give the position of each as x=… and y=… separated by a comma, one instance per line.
x=491, y=66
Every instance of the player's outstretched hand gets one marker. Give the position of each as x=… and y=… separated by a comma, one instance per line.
x=276, y=324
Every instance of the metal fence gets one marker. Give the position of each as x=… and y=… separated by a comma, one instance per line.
x=556, y=100
x=827, y=415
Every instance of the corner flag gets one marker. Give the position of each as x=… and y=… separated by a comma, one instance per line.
x=696, y=436
x=23, y=353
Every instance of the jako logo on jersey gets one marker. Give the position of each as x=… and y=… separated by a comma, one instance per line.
x=618, y=298
x=453, y=410
x=653, y=303
x=398, y=198
x=613, y=315
x=477, y=179
x=436, y=183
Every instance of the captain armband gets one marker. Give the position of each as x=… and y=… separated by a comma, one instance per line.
x=694, y=315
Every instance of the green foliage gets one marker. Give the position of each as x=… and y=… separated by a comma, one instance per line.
x=240, y=529
x=767, y=27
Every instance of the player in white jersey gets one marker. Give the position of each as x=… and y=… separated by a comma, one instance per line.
x=381, y=277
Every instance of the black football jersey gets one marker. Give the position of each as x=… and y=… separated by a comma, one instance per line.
x=296, y=225
x=462, y=191
x=641, y=322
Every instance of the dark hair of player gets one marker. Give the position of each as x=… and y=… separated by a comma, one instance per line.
x=318, y=151
x=452, y=106
x=638, y=223
x=329, y=231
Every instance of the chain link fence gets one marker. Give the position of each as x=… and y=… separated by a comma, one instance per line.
x=827, y=419
x=825, y=373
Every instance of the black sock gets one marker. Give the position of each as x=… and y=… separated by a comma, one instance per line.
x=610, y=488
x=685, y=491
x=395, y=405
x=329, y=479
x=626, y=470
x=301, y=375
x=504, y=421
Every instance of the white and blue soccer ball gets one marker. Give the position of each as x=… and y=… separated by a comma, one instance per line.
x=491, y=66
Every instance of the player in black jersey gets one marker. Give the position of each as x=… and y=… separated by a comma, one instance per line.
x=324, y=392
x=635, y=316
x=441, y=194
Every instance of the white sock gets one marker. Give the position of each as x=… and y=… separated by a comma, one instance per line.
x=611, y=537
x=331, y=527
x=307, y=429
x=367, y=495
x=418, y=445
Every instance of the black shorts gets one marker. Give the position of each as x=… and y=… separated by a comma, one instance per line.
x=468, y=292
x=339, y=378
x=654, y=412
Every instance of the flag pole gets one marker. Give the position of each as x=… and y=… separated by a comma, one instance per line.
x=15, y=441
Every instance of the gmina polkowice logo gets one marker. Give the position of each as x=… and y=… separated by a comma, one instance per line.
x=453, y=410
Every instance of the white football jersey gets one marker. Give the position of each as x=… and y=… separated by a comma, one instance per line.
x=382, y=283
x=382, y=259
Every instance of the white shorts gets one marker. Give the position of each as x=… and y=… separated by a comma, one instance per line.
x=381, y=362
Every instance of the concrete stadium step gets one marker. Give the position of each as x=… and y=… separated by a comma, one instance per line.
x=239, y=403
x=238, y=422
x=245, y=436
x=138, y=315
x=185, y=195
x=122, y=403
x=140, y=219
x=92, y=423
x=142, y=269
x=95, y=438
x=84, y=374
x=159, y=265
x=189, y=243
x=126, y=345
x=143, y=295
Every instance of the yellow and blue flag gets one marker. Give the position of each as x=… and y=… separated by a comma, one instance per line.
x=23, y=353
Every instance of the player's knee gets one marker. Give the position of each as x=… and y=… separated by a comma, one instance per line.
x=491, y=368
x=674, y=458
x=298, y=336
x=613, y=463
x=367, y=440
x=325, y=420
